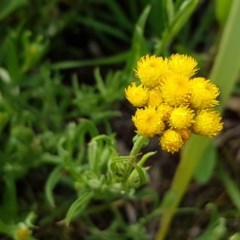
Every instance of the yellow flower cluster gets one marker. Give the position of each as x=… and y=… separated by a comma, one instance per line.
x=171, y=103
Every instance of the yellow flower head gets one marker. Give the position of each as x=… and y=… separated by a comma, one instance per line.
x=176, y=90
x=207, y=123
x=182, y=65
x=155, y=97
x=148, y=122
x=137, y=95
x=150, y=70
x=181, y=117
x=22, y=232
x=171, y=141
x=164, y=111
x=204, y=93
x=172, y=104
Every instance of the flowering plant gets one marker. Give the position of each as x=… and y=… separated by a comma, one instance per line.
x=173, y=104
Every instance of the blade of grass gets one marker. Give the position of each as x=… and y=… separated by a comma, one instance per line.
x=227, y=62
x=91, y=62
x=139, y=43
x=103, y=27
x=222, y=8
x=52, y=181
x=78, y=206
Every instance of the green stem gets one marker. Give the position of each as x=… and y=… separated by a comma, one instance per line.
x=139, y=143
x=145, y=158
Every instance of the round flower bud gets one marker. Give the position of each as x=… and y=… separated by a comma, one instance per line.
x=182, y=65
x=137, y=95
x=207, y=123
x=204, y=93
x=151, y=70
x=148, y=122
x=171, y=141
x=181, y=117
x=176, y=90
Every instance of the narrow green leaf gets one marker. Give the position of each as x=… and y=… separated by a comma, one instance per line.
x=227, y=64
x=78, y=206
x=222, y=8
x=93, y=62
x=99, y=82
x=93, y=152
x=103, y=27
x=51, y=183
x=139, y=46
x=207, y=164
x=141, y=174
x=88, y=127
x=169, y=6
x=158, y=17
